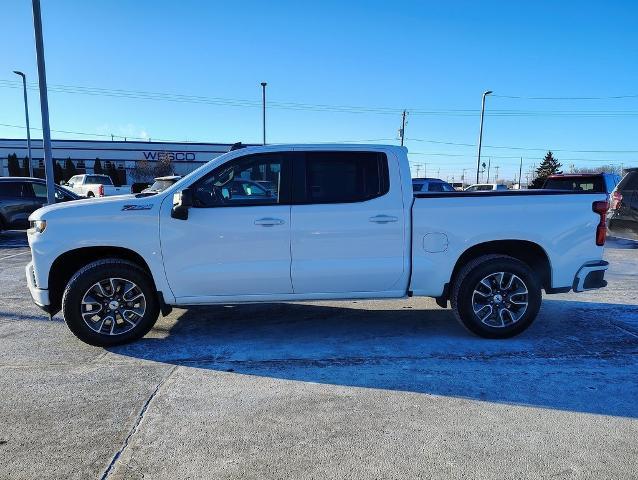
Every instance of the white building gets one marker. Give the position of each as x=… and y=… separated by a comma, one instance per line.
x=123, y=155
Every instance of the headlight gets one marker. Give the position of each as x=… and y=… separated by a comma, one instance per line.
x=37, y=226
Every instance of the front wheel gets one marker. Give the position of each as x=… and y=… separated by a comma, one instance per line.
x=110, y=302
x=496, y=296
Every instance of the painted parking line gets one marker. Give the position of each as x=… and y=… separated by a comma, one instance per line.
x=15, y=255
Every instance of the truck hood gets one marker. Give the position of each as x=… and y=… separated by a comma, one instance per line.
x=104, y=206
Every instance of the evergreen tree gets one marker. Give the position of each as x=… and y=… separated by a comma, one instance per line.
x=97, y=166
x=14, y=166
x=112, y=172
x=549, y=166
x=25, y=167
x=69, y=169
x=58, y=172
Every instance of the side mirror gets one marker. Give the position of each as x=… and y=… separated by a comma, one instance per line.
x=182, y=201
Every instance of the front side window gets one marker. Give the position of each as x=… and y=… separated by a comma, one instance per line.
x=40, y=191
x=247, y=181
x=345, y=177
x=435, y=187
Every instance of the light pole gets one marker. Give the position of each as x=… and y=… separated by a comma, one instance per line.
x=44, y=103
x=478, y=161
x=26, y=114
x=263, y=109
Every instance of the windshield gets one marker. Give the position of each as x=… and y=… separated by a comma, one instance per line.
x=161, y=185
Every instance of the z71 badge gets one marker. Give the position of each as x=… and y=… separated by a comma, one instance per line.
x=147, y=206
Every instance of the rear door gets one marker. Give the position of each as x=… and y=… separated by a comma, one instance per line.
x=348, y=224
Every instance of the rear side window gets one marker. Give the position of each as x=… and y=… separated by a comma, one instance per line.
x=629, y=182
x=14, y=189
x=435, y=187
x=417, y=187
x=345, y=177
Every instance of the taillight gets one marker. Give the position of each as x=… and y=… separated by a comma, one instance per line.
x=100, y=191
x=601, y=208
x=616, y=198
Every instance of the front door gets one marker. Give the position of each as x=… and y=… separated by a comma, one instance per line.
x=236, y=240
x=348, y=225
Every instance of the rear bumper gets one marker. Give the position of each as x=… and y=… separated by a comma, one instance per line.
x=591, y=276
x=40, y=296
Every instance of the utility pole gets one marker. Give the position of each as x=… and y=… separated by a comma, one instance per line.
x=418, y=169
x=26, y=114
x=520, y=172
x=496, y=177
x=263, y=109
x=44, y=103
x=478, y=161
x=402, y=129
x=489, y=163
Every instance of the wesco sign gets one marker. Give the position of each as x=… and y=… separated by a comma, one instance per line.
x=170, y=156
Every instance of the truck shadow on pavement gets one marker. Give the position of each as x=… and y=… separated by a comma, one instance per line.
x=577, y=356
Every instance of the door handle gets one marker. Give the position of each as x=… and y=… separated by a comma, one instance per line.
x=269, y=222
x=383, y=219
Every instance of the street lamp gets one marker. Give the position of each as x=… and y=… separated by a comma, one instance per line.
x=478, y=162
x=263, y=109
x=26, y=113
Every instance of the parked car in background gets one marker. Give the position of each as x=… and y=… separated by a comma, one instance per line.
x=623, y=214
x=345, y=225
x=423, y=185
x=583, y=182
x=95, y=185
x=162, y=183
x=486, y=187
x=21, y=196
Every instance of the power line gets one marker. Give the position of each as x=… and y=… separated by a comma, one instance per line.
x=543, y=149
x=234, y=102
x=612, y=97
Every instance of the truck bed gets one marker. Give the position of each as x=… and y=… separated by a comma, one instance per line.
x=445, y=225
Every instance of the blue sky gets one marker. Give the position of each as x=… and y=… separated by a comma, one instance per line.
x=432, y=58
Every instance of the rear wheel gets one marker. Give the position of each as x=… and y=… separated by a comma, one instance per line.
x=90, y=195
x=496, y=296
x=110, y=302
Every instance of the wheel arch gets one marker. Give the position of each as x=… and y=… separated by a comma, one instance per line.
x=68, y=263
x=526, y=251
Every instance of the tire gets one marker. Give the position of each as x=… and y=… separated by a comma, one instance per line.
x=121, y=296
x=479, y=289
x=90, y=195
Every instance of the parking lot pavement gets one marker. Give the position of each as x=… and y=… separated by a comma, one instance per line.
x=374, y=389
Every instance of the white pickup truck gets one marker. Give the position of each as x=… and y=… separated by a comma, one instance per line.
x=95, y=185
x=341, y=222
